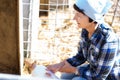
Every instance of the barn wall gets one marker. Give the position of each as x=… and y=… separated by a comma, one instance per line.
x=9, y=60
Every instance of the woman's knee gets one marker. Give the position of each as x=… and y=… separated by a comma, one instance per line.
x=67, y=76
x=78, y=78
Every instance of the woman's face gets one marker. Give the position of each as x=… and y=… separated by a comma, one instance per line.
x=82, y=20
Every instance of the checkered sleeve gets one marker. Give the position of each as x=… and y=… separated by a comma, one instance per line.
x=77, y=59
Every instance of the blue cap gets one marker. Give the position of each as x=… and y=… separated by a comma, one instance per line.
x=95, y=9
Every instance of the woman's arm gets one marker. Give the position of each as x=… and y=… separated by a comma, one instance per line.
x=78, y=59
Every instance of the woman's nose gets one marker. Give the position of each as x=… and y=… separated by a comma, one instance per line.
x=74, y=18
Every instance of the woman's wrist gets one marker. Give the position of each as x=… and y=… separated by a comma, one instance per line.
x=76, y=71
x=61, y=64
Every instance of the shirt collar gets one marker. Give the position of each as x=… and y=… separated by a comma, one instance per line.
x=85, y=33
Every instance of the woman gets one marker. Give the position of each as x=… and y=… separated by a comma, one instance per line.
x=98, y=56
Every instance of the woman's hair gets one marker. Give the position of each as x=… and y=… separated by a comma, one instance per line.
x=82, y=11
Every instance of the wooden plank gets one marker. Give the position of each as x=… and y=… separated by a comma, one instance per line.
x=9, y=52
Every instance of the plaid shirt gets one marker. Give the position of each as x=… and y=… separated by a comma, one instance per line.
x=101, y=52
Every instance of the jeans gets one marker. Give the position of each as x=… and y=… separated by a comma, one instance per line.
x=71, y=76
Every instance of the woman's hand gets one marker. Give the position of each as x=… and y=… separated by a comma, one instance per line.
x=55, y=67
x=67, y=68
